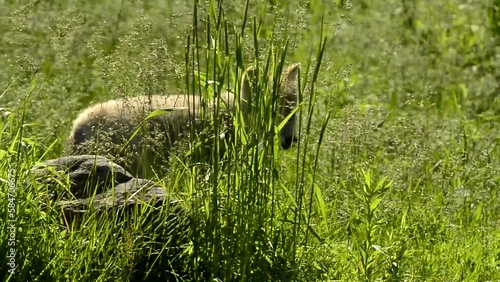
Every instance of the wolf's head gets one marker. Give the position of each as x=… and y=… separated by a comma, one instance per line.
x=286, y=96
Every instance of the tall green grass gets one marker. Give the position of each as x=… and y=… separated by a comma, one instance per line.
x=239, y=226
x=395, y=177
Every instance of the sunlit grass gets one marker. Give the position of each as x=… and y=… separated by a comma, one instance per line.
x=395, y=176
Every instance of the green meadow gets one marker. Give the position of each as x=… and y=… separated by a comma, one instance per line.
x=396, y=175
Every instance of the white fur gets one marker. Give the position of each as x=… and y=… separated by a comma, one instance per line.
x=126, y=115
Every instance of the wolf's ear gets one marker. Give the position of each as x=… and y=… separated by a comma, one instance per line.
x=289, y=83
x=246, y=87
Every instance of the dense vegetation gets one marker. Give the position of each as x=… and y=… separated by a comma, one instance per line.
x=395, y=178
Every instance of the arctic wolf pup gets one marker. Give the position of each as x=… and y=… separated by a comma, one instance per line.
x=127, y=130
